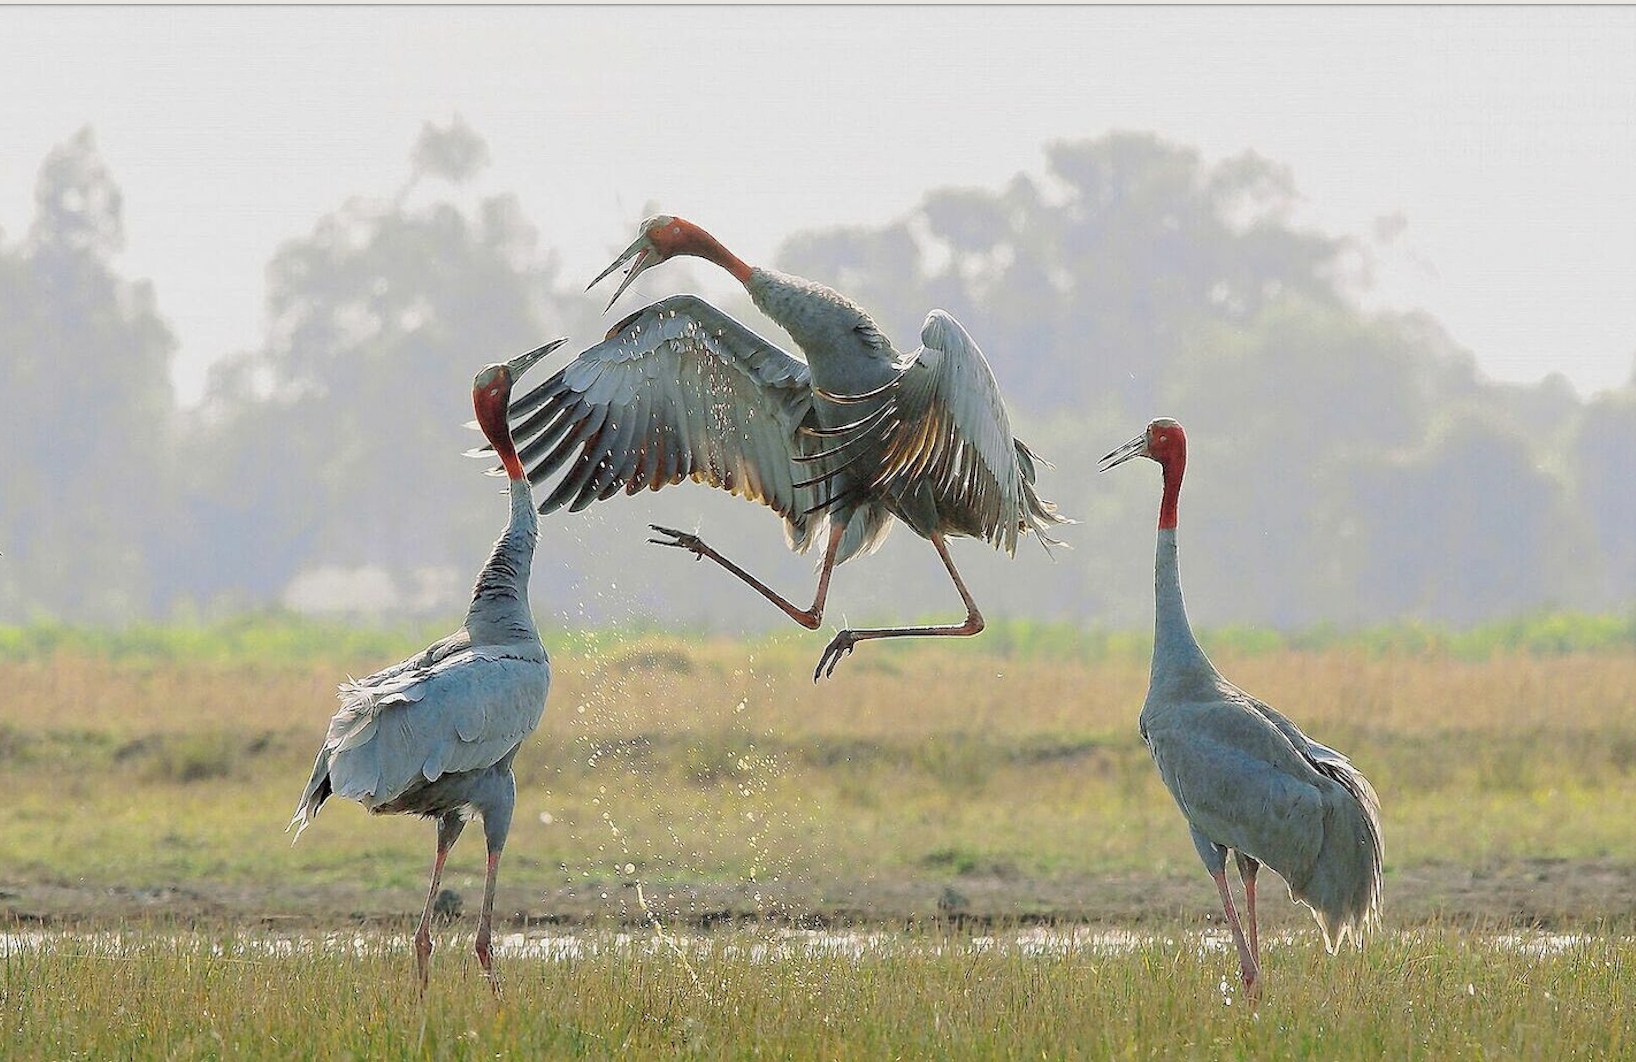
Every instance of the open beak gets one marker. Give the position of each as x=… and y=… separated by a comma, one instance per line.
x=640, y=254
x=1137, y=447
x=523, y=362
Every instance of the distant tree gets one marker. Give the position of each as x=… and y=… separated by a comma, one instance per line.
x=1347, y=465
x=1088, y=280
x=1465, y=527
x=453, y=152
x=86, y=407
x=1132, y=278
x=1602, y=466
x=326, y=436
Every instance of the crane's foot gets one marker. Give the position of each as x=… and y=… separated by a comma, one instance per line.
x=680, y=540
x=485, y=959
x=841, y=645
x=1251, y=977
x=423, y=960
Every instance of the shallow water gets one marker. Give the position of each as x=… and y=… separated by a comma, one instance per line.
x=767, y=945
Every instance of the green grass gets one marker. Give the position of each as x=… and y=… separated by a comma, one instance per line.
x=1441, y=993
x=281, y=638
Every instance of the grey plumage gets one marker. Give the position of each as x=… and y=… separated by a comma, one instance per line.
x=838, y=443
x=1245, y=777
x=678, y=390
x=681, y=390
x=409, y=734
x=435, y=735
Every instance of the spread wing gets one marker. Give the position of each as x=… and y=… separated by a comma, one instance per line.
x=949, y=428
x=679, y=390
x=465, y=712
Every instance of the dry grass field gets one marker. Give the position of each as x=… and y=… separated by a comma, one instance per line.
x=949, y=803
x=923, y=780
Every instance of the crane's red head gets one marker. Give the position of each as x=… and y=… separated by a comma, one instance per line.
x=491, y=398
x=663, y=237
x=1164, y=441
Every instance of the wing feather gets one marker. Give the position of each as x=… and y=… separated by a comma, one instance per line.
x=679, y=390
x=463, y=713
x=950, y=430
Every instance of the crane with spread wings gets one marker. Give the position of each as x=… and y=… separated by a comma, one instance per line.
x=838, y=443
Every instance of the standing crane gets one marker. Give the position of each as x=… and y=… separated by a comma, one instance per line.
x=1245, y=777
x=838, y=445
x=435, y=735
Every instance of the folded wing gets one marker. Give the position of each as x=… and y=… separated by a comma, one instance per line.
x=463, y=713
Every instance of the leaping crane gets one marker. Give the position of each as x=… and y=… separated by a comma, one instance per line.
x=838, y=444
x=435, y=735
x=1246, y=778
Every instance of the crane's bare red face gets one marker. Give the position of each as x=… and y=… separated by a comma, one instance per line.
x=1162, y=441
x=1166, y=441
x=490, y=397
x=491, y=385
x=663, y=237
x=670, y=236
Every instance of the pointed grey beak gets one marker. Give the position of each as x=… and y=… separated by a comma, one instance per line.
x=523, y=362
x=1137, y=447
x=641, y=257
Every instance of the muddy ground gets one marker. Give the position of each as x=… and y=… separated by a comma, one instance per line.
x=1539, y=893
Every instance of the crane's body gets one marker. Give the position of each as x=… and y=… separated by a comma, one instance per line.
x=435, y=735
x=1246, y=778
x=839, y=442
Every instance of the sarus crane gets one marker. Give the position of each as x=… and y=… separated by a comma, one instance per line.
x=1246, y=778
x=837, y=444
x=435, y=735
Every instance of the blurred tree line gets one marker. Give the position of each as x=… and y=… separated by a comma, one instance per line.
x=1346, y=466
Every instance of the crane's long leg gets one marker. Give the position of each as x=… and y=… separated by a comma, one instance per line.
x=1247, y=866
x=448, y=829
x=809, y=618
x=843, y=642
x=1249, y=969
x=484, y=957
x=496, y=825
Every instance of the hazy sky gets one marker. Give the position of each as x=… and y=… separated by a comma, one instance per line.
x=1505, y=137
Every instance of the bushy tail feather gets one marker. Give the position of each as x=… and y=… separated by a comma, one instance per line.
x=1344, y=889
x=312, y=799
x=1037, y=512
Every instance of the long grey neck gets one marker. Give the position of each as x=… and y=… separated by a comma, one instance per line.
x=499, y=606
x=1175, y=651
x=825, y=325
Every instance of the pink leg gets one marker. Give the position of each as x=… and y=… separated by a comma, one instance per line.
x=1246, y=872
x=810, y=618
x=485, y=922
x=1248, y=968
x=448, y=828
x=843, y=642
